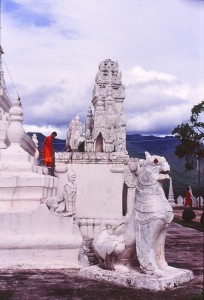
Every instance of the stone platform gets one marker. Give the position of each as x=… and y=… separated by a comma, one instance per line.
x=138, y=280
x=38, y=240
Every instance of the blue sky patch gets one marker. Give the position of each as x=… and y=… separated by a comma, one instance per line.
x=25, y=16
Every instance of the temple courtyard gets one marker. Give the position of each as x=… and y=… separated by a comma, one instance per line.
x=184, y=249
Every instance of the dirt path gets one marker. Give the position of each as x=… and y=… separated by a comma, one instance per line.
x=184, y=249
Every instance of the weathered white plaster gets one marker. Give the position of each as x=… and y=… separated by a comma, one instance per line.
x=38, y=239
x=143, y=233
x=99, y=191
x=137, y=280
x=31, y=236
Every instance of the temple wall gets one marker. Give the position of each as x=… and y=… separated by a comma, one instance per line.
x=99, y=190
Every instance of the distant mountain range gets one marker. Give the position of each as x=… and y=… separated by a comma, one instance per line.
x=164, y=146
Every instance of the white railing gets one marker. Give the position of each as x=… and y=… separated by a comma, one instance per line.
x=28, y=145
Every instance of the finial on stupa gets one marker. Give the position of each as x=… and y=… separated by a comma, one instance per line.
x=15, y=131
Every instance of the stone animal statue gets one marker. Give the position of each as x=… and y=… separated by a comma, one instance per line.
x=153, y=214
x=145, y=231
x=115, y=246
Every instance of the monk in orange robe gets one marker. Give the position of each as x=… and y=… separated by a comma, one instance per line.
x=188, y=200
x=47, y=150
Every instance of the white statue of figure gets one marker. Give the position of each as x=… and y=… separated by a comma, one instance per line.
x=69, y=194
x=144, y=231
x=119, y=139
x=75, y=134
x=88, y=134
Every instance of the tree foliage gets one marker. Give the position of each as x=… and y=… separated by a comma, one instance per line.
x=191, y=136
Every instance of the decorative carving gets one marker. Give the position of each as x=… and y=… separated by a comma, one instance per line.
x=53, y=204
x=106, y=130
x=109, y=118
x=129, y=178
x=35, y=140
x=15, y=131
x=117, y=167
x=63, y=156
x=68, y=197
x=75, y=134
x=114, y=246
x=145, y=230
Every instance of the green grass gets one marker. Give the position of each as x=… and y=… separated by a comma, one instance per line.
x=194, y=225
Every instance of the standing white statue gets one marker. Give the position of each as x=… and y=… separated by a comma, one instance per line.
x=75, y=134
x=69, y=194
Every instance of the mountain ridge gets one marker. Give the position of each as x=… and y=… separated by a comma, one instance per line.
x=137, y=144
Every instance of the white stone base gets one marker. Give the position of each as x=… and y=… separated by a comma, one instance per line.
x=39, y=259
x=38, y=240
x=137, y=280
x=24, y=192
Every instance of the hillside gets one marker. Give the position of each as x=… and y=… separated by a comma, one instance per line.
x=163, y=146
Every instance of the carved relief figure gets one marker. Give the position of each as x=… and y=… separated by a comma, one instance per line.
x=68, y=197
x=69, y=194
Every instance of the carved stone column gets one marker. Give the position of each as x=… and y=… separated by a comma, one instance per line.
x=171, y=194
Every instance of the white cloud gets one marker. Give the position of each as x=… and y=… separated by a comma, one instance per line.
x=53, y=64
x=137, y=74
x=158, y=102
x=47, y=130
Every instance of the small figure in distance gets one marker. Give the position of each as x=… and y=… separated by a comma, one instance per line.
x=188, y=200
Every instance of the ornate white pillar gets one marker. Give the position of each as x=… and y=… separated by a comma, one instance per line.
x=171, y=194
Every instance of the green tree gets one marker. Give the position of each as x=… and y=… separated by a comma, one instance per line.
x=191, y=136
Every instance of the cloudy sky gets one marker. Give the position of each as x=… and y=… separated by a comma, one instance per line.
x=53, y=49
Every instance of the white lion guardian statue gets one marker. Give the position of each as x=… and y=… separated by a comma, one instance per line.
x=144, y=232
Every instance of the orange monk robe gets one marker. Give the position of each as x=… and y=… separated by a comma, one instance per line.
x=47, y=153
x=188, y=200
